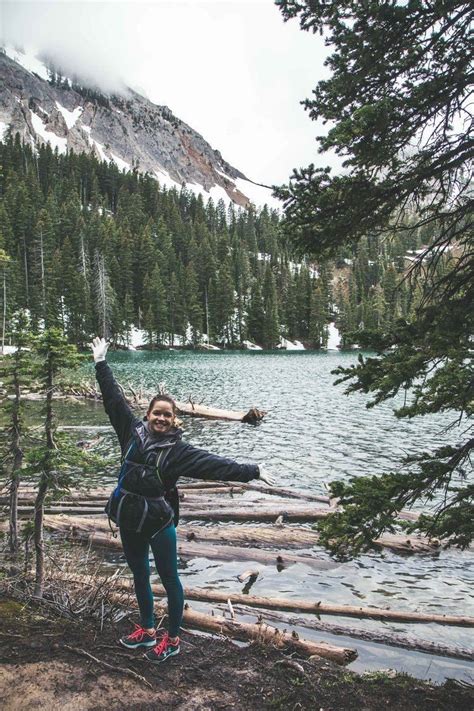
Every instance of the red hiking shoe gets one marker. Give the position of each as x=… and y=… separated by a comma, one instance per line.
x=164, y=649
x=139, y=638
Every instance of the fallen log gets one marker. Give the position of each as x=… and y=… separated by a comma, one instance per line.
x=251, y=513
x=387, y=638
x=320, y=608
x=192, y=409
x=263, y=633
x=189, y=550
x=270, y=536
x=217, y=487
x=207, y=514
x=287, y=493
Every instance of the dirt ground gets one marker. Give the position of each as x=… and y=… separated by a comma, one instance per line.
x=43, y=667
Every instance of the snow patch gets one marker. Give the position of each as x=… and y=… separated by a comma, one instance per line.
x=27, y=61
x=48, y=136
x=165, y=180
x=251, y=346
x=119, y=162
x=70, y=117
x=96, y=144
x=291, y=345
x=3, y=129
x=216, y=193
x=334, y=338
x=100, y=149
x=209, y=347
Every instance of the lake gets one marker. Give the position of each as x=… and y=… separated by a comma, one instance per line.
x=313, y=434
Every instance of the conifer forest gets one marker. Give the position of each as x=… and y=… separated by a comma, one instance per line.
x=90, y=249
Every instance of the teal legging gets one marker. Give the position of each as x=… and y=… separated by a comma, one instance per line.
x=163, y=545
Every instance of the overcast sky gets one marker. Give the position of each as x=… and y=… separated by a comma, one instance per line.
x=232, y=69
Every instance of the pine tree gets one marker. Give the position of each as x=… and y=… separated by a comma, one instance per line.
x=271, y=325
x=54, y=458
x=193, y=307
x=16, y=372
x=318, y=328
x=394, y=108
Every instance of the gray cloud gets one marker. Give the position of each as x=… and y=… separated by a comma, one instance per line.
x=75, y=36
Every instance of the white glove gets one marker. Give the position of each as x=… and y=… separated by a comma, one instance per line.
x=99, y=349
x=265, y=476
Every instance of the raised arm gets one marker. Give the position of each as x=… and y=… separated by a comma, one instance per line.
x=115, y=404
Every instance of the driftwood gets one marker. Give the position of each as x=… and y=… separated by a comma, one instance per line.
x=262, y=632
x=320, y=608
x=189, y=550
x=213, y=413
x=269, y=536
x=389, y=638
x=215, y=487
x=201, y=513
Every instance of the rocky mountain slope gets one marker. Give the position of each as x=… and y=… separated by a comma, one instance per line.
x=127, y=129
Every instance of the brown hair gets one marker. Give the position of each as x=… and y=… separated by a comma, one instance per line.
x=165, y=398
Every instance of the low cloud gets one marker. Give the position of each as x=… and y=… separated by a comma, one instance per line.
x=74, y=37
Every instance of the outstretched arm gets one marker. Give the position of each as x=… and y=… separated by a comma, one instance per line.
x=117, y=408
x=199, y=464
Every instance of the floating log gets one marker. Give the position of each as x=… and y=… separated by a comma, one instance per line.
x=270, y=536
x=389, y=638
x=251, y=513
x=192, y=409
x=320, y=608
x=217, y=487
x=286, y=493
x=189, y=550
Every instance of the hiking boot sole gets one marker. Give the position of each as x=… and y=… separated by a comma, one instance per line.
x=163, y=659
x=151, y=643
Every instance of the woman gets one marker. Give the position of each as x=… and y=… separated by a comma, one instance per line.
x=145, y=503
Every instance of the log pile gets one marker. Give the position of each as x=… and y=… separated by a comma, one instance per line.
x=217, y=502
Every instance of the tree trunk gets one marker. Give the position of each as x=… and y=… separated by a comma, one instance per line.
x=38, y=536
x=43, y=487
x=15, y=473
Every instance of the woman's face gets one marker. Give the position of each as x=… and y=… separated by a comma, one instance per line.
x=160, y=417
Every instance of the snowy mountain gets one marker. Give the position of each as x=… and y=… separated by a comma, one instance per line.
x=126, y=129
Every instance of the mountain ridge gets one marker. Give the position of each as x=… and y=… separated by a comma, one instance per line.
x=127, y=129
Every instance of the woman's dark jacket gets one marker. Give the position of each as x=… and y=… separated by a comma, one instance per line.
x=151, y=464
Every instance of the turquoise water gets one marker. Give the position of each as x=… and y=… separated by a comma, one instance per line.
x=312, y=434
